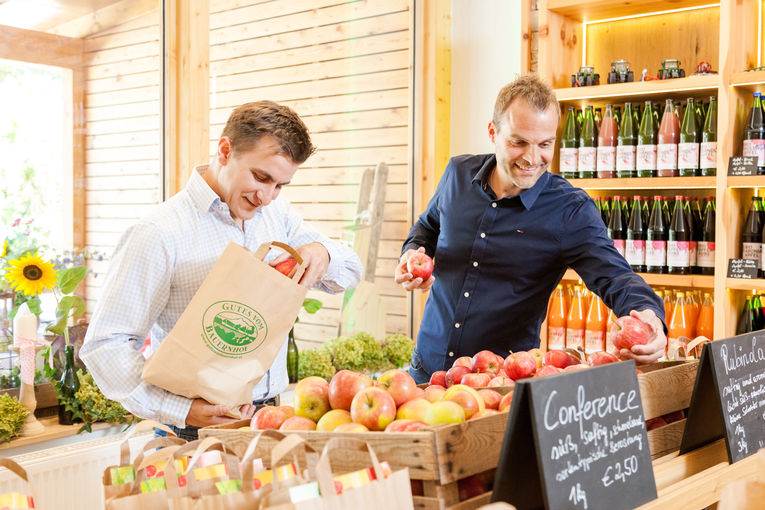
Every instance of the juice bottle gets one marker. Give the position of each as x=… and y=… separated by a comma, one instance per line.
x=588, y=150
x=705, y=258
x=669, y=304
x=708, y=156
x=645, y=159
x=656, y=239
x=754, y=135
x=679, y=324
x=607, y=145
x=626, y=149
x=617, y=225
x=556, y=320
x=688, y=147
x=666, y=151
x=678, y=241
x=610, y=332
x=594, y=339
x=575, y=322
x=569, y=143
x=693, y=309
x=705, y=324
x=634, y=248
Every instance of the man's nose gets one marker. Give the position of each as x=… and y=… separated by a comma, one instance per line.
x=532, y=155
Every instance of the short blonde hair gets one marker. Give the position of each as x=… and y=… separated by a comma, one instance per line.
x=537, y=93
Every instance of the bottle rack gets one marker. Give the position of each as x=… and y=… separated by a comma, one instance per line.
x=644, y=32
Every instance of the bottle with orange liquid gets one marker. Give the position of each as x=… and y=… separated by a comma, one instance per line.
x=576, y=321
x=680, y=324
x=556, y=320
x=594, y=337
x=610, y=332
x=705, y=323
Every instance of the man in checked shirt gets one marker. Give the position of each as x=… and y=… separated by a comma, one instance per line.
x=161, y=261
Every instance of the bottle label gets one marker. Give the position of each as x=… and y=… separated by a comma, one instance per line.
x=625, y=157
x=606, y=158
x=569, y=158
x=752, y=251
x=619, y=245
x=666, y=156
x=708, y=155
x=594, y=341
x=656, y=253
x=755, y=148
x=556, y=337
x=688, y=155
x=587, y=159
x=646, y=157
x=634, y=252
x=678, y=254
x=692, y=252
x=574, y=338
x=705, y=255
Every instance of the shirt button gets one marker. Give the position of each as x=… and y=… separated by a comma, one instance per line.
x=451, y=354
x=457, y=325
x=475, y=264
x=483, y=235
x=494, y=204
x=467, y=294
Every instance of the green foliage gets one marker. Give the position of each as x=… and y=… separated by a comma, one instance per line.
x=14, y=380
x=359, y=352
x=311, y=305
x=12, y=416
x=397, y=349
x=315, y=362
x=94, y=406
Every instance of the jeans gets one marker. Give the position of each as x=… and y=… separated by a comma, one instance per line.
x=418, y=373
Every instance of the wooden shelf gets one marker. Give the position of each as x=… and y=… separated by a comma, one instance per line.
x=52, y=431
x=592, y=10
x=753, y=80
x=648, y=183
x=696, y=281
x=746, y=181
x=620, y=92
x=744, y=284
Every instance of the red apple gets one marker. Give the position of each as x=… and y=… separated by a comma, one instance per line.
x=311, y=397
x=439, y=378
x=464, y=361
x=655, y=423
x=538, y=355
x=434, y=393
x=491, y=398
x=485, y=362
x=374, y=408
x=480, y=380
x=467, y=398
x=399, y=384
x=520, y=365
x=419, y=265
x=574, y=368
x=500, y=363
x=470, y=487
x=445, y=411
x=344, y=386
x=548, y=370
x=485, y=412
x=268, y=417
x=298, y=423
x=630, y=331
x=405, y=426
x=504, y=404
x=558, y=358
x=351, y=427
x=501, y=380
x=415, y=409
x=455, y=374
x=333, y=419
x=286, y=266
x=601, y=358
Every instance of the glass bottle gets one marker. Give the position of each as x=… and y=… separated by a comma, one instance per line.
x=292, y=358
x=617, y=228
x=688, y=146
x=656, y=239
x=607, y=135
x=70, y=385
x=666, y=150
x=754, y=135
x=594, y=339
x=693, y=226
x=626, y=149
x=598, y=117
x=751, y=235
x=618, y=115
x=705, y=254
x=556, y=320
x=575, y=321
x=705, y=324
x=569, y=143
x=588, y=141
x=645, y=159
x=634, y=248
x=678, y=256
x=605, y=212
x=746, y=319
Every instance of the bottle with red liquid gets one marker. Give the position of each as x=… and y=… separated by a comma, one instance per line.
x=669, y=135
x=607, y=138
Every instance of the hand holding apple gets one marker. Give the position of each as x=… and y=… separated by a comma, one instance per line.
x=404, y=276
x=651, y=350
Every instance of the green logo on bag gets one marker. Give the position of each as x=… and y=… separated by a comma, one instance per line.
x=232, y=329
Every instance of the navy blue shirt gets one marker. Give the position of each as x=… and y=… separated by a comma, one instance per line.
x=497, y=262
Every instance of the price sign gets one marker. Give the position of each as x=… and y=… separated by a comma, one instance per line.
x=577, y=441
x=729, y=397
x=742, y=268
x=742, y=165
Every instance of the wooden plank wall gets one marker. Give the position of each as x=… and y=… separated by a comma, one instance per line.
x=122, y=156
x=345, y=68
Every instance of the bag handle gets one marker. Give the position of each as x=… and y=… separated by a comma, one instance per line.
x=19, y=471
x=297, y=273
x=156, y=443
x=696, y=342
x=324, y=467
x=200, y=446
x=249, y=456
x=140, y=427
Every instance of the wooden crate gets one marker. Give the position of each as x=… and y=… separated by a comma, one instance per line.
x=441, y=455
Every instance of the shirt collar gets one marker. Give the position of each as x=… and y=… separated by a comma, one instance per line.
x=201, y=193
x=527, y=196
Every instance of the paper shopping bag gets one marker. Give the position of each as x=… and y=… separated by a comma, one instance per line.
x=17, y=500
x=231, y=331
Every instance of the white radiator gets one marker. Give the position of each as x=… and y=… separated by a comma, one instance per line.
x=69, y=477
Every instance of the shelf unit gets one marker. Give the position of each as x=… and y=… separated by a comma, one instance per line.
x=644, y=32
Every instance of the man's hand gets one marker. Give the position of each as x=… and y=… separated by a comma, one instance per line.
x=654, y=349
x=203, y=413
x=315, y=259
x=404, y=277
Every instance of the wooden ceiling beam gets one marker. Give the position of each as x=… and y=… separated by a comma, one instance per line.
x=106, y=17
x=40, y=47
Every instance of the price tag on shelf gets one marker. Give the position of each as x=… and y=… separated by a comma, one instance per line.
x=728, y=399
x=743, y=268
x=577, y=441
x=742, y=165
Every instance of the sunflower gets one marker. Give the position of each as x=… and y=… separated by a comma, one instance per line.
x=5, y=249
x=31, y=274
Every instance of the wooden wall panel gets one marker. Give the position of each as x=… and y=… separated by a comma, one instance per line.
x=345, y=67
x=122, y=137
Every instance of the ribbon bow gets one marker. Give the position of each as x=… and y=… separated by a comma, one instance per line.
x=27, y=357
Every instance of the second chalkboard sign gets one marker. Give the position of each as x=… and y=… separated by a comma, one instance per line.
x=577, y=440
x=742, y=165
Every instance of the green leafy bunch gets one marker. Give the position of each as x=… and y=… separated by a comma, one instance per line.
x=397, y=349
x=359, y=352
x=94, y=406
x=12, y=417
x=315, y=362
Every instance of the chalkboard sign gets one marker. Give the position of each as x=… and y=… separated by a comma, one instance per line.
x=577, y=441
x=729, y=397
x=742, y=165
x=743, y=268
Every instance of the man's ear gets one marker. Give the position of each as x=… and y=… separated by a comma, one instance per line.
x=224, y=150
x=492, y=131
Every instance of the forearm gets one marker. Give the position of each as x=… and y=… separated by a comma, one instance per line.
x=344, y=271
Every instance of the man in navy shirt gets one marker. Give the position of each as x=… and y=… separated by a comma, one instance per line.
x=502, y=231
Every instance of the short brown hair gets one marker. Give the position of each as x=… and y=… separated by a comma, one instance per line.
x=250, y=122
x=537, y=93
